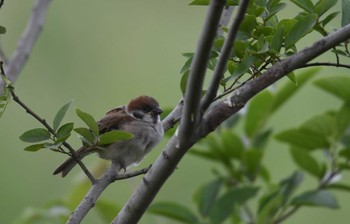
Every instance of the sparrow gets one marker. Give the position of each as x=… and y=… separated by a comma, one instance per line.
x=140, y=117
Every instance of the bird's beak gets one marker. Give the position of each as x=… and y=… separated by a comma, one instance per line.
x=157, y=111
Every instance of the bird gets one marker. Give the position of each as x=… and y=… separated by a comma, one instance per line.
x=141, y=118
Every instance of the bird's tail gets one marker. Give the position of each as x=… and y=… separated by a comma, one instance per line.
x=70, y=163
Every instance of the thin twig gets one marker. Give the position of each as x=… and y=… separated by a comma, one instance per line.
x=133, y=173
x=47, y=126
x=326, y=64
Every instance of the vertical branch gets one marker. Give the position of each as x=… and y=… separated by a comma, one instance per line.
x=176, y=148
x=27, y=41
x=224, y=56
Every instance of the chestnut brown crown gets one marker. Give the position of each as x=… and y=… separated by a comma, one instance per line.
x=145, y=104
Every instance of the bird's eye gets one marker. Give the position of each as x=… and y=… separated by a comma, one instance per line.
x=145, y=109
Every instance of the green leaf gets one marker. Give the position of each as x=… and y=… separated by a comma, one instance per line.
x=307, y=5
x=223, y=207
x=345, y=15
x=292, y=78
x=2, y=30
x=289, y=185
x=277, y=39
x=183, y=82
x=321, y=198
x=173, y=211
x=303, y=26
x=232, y=144
x=259, y=110
x=34, y=148
x=65, y=130
x=329, y=18
x=268, y=207
x=323, y=124
x=86, y=134
x=323, y=6
x=303, y=138
x=338, y=86
x=114, y=136
x=60, y=115
x=88, y=120
x=305, y=161
x=251, y=161
x=35, y=135
x=248, y=24
x=289, y=89
x=206, y=196
x=107, y=210
x=244, y=66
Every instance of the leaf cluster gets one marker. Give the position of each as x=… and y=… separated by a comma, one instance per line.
x=89, y=135
x=265, y=39
x=247, y=179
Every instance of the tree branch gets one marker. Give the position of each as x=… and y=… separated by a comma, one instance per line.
x=136, y=206
x=168, y=160
x=27, y=41
x=224, y=56
x=326, y=64
x=94, y=193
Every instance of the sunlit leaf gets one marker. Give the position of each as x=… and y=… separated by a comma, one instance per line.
x=35, y=135
x=60, y=115
x=88, y=120
x=173, y=211
x=114, y=136
x=321, y=198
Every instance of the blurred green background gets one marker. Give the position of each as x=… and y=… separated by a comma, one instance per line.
x=103, y=53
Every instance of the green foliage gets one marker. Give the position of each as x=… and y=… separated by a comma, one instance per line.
x=245, y=178
x=345, y=12
x=60, y=115
x=322, y=198
x=53, y=139
x=174, y=211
